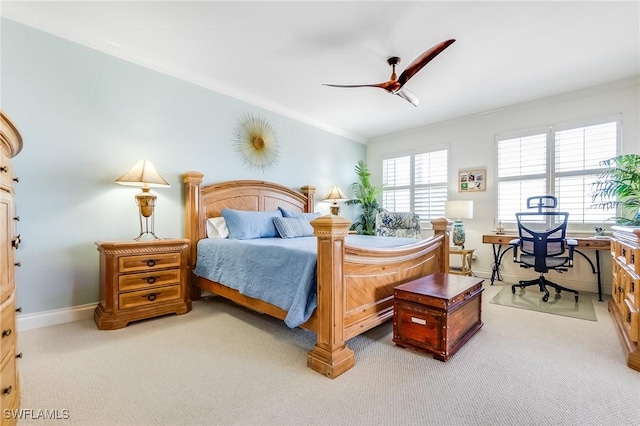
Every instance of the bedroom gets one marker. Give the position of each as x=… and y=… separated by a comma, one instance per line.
x=87, y=116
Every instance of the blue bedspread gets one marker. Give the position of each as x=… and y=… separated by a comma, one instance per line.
x=280, y=271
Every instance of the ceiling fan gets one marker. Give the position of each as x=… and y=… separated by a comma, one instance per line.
x=395, y=85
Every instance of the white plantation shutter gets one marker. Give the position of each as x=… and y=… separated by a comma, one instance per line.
x=563, y=162
x=578, y=154
x=522, y=167
x=416, y=183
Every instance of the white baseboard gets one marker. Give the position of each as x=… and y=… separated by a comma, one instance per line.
x=57, y=316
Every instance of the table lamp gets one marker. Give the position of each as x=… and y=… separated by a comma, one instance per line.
x=144, y=175
x=335, y=195
x=458, y=210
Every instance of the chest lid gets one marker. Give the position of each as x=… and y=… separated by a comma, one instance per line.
x=439, y=285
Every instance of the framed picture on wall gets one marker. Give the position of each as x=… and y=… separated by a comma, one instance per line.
x=472, y=180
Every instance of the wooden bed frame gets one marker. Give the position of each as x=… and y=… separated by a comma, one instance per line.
x=355, y=284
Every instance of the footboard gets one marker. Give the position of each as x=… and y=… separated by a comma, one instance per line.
x=355, y=286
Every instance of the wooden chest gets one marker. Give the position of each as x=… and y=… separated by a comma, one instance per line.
x=437, y=313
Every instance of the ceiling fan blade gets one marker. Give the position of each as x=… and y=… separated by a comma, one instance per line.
x=423, y=60
x=408, y=96
x=381, y=85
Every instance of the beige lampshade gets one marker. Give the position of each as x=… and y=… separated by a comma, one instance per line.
x=335, y=195
x=143, y=174
x=459, y=209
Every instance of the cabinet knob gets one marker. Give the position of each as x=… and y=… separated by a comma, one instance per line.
x=151, y=296
x=18, y=264
x=19, y=355
x=16, y=179
x=19, y=309
x=150, y=280
x=4, y=169
x=6, y=333
x=151, y=262
x=16, y=218
x=7, y=391
x=16, y=242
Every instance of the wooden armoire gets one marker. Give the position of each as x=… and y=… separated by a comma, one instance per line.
x=10, y=146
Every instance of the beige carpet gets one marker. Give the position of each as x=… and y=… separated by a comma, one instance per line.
x=558, y=304
x=223, y=365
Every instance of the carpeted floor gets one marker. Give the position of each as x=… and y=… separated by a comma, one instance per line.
x=558, y=304
x=222, y=365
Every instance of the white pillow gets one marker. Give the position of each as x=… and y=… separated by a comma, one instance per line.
x=217, y=228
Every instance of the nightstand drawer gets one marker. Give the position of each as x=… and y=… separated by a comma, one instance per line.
x=148, y=280
x=148, y=261
x=149, y=297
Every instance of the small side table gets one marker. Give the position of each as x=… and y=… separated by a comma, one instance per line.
x=466, y=257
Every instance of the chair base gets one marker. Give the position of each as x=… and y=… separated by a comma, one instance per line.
x=543, y=283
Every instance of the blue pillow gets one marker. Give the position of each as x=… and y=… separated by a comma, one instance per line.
x=247, y=225
x=293, y=227
x=291, y=213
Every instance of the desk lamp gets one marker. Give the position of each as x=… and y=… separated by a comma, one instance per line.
x=144, y=175
x=458, y=210
x=335, y=195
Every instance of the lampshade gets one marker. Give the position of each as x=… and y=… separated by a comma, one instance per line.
x=459, y=209
x=143, y=174
x=335, y=195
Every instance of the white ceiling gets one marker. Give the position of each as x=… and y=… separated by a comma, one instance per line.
x=277, y=54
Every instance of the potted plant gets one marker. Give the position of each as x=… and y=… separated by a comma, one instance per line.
x=365, y=195
x=619, y=187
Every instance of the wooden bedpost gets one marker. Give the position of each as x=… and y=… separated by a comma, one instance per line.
x=309, y=191
x=192, y=181
x=442, y=226
x=330, y=356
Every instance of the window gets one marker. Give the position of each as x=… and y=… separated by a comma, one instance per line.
x=563, y=161
x=416, y=183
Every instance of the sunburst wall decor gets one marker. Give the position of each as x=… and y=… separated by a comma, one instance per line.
x=256, y=142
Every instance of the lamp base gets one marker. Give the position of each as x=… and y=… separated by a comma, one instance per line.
x=335, y=210
x=146, y=202
x=457, y=235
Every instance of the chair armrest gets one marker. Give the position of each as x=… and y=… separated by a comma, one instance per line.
x=571, y=244
x=515, y=243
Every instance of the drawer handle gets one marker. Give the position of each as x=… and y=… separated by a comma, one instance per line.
x=150, y=280
x=151, y=262
x=16, y=179
x=16, y=218
x=16, y=242
x=4, y=169
x=6, y=333
x=18, y=264
x=151, y=296
x=19, y=355
x=19, y=309
x=8, y=390
x=419, y=321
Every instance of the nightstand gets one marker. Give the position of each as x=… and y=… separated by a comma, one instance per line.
x=466, y=258
x=140, y=280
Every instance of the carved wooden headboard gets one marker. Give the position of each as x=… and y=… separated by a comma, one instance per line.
x=203, y=202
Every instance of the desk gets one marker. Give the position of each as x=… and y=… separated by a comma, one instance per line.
x=584, y=243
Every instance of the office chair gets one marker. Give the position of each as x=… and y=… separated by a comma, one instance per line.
x=542, y=243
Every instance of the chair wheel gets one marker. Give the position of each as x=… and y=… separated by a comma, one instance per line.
x=545, y=298
x=558, y=290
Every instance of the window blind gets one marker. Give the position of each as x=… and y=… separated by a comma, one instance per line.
x=416, y=183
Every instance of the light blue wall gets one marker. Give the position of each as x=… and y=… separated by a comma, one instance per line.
x=86, y=118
